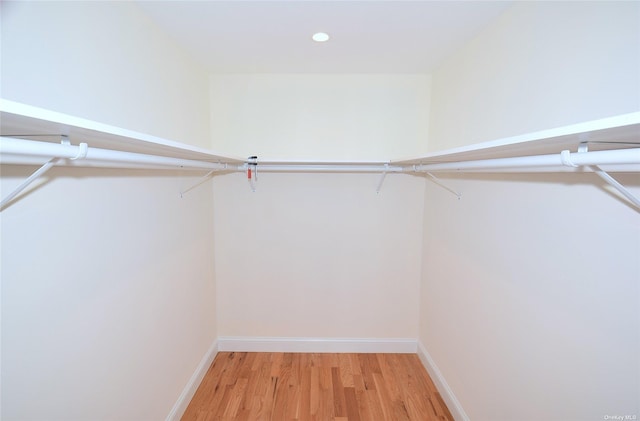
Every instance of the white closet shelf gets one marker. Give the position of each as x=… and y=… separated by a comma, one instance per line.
x=617, y=132
x=599, y=146
x=613, y=133
x=27, y=122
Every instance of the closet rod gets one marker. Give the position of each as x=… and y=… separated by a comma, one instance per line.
x=540, y=163
x=367, y=168
x=104, y=157
x=12, y=149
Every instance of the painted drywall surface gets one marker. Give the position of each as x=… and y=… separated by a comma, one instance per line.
x=530, y=293
x=320, y=117
x=530, y=296
x=107, y=294
x=318, y=255
x=540, y=65
x=104, y=61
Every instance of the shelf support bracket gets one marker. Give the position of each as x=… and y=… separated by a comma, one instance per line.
x=584, y=147
x=437, y=181
x=82, y=152
x=200, y=181
x=33, y=177
x=382, y=177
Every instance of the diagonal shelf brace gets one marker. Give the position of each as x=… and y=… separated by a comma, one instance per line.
x=584, y=147
x=615, y=184
x=33, y=177
x=197, y=183
x=382, y=177
x=437, y=181
x=82, y=153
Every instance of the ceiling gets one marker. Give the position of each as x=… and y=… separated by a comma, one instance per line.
x=366, y=36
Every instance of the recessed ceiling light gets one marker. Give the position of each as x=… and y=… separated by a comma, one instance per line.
x=320, y=37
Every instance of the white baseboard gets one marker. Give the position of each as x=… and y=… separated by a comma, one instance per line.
x=277, y=344
x=445, y=391
x=192, y=385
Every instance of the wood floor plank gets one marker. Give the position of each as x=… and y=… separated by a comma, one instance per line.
x=361, y=396
x=237, y=395
x=339, y=403
x=304, y=413
x=389, y=376
x=326, y=392
x=346, y=371
x=351, y=400
x=367, y=371
x=244, y=386
x=372, y=401
x=314, y=391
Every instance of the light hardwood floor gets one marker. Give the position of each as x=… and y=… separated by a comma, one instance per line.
x=316, y=387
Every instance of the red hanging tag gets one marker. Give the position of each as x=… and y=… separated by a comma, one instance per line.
x=249, y=173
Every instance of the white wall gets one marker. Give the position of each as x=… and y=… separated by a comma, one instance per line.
x=104, y=61
x=530, y=296
x=319, y=256
x=108, y=294
x=540, y=65
x=108, y=299
x=529, y=303
x=347, y=117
